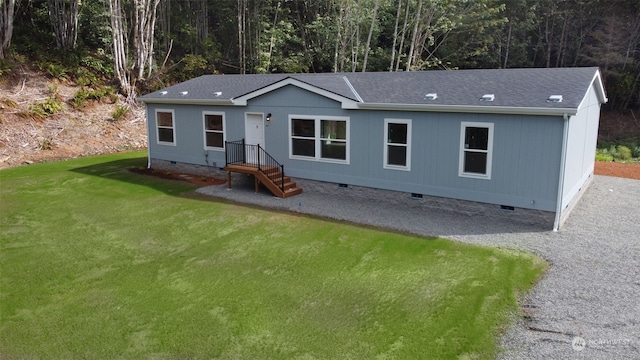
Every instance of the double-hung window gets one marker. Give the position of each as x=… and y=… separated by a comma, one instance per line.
x=322, y=138
x=397, y=144
x=165, y=127
x=214, y=130
x=476, y=147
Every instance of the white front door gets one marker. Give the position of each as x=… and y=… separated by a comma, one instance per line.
x=253, y=135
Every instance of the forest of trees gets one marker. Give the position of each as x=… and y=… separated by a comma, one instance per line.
x=146, y=44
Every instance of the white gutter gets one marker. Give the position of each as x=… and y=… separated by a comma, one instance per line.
x=187, y=101
x=466, y=109
x=563, y=161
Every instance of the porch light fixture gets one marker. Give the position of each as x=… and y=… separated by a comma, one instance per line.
x=268, y=117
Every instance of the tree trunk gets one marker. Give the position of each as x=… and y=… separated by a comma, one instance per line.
x=64, y=19
x=120, y=49
x=414, y=38
x=508, y=45
x=373, y=22
x=403, y=36
x=6, y=25
x=144, y=19
x=241, y=36
x=395, y=35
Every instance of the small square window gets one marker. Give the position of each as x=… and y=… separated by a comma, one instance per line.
x=397, y=144
x=165, y=128
x=476, y=146
x=213, y=131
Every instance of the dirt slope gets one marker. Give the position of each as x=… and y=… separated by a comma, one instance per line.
x=66, y=134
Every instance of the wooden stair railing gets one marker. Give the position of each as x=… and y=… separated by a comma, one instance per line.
x=253, y=159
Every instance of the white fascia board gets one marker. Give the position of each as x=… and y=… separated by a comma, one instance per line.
x=467, y=109
x=187, y=101
x=596, y=83
x=242, y=100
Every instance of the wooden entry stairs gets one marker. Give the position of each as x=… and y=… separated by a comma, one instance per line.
x=254, y=160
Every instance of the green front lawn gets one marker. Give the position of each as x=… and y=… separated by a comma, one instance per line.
x=97, y=262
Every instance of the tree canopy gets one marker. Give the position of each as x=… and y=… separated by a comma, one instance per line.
x=145, y=44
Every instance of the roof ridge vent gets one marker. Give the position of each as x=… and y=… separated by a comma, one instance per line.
x=431, y=96
x=555, y=98
x=488, y=97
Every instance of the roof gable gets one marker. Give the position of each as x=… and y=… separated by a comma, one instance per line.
x=323, y=91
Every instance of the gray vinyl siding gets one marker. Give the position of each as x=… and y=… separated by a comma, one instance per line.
x=189, y=133
x=526, y=149
x=581, y=146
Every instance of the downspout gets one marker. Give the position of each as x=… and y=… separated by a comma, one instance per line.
x=563, y=160
x=148, y=138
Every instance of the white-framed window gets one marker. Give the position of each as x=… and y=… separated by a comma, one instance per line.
x=165, y=127
x=397, y=144
x=476, y=150
x=320, y=138
x=214, y=127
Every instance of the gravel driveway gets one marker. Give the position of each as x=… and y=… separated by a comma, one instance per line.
x=588, y=304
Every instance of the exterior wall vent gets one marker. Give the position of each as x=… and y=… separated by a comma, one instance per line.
x=416, y=196
x=431, y=96
x=507, y=208
x=344, y=186
x=488, y=97
x=184, y=93
x=555, y=98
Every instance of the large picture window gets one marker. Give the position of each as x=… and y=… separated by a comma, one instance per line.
x=214, y=130
x=323, y=138
x=476, y=144
x=397, y=144
x=165, y=127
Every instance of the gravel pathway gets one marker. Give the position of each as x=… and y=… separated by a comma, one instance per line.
x=588, y=304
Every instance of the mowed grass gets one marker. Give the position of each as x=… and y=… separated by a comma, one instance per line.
x=97, y=262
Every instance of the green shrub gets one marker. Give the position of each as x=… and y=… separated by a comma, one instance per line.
x=57, y=71
x=81, y=96
x=52, y=88
x=46, y=108
x=9, y=103
x=624, y=153
x=45, y=144
x=119, y=112
x=84, y=77
x=603, y=155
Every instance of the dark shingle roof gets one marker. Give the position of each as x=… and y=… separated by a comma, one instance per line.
x=520, y=88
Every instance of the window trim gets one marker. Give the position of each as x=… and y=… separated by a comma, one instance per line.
x=385, y=160
x=205, y=131
x=318, y=138
x=463, y=126
x=173, y=127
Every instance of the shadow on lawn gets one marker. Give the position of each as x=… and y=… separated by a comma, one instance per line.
x=134, y=171
x=421, y=221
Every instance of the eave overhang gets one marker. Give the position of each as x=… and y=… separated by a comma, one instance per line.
x=547, y=111
x=218, y=102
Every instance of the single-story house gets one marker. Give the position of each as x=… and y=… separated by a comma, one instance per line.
x=516, y=139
